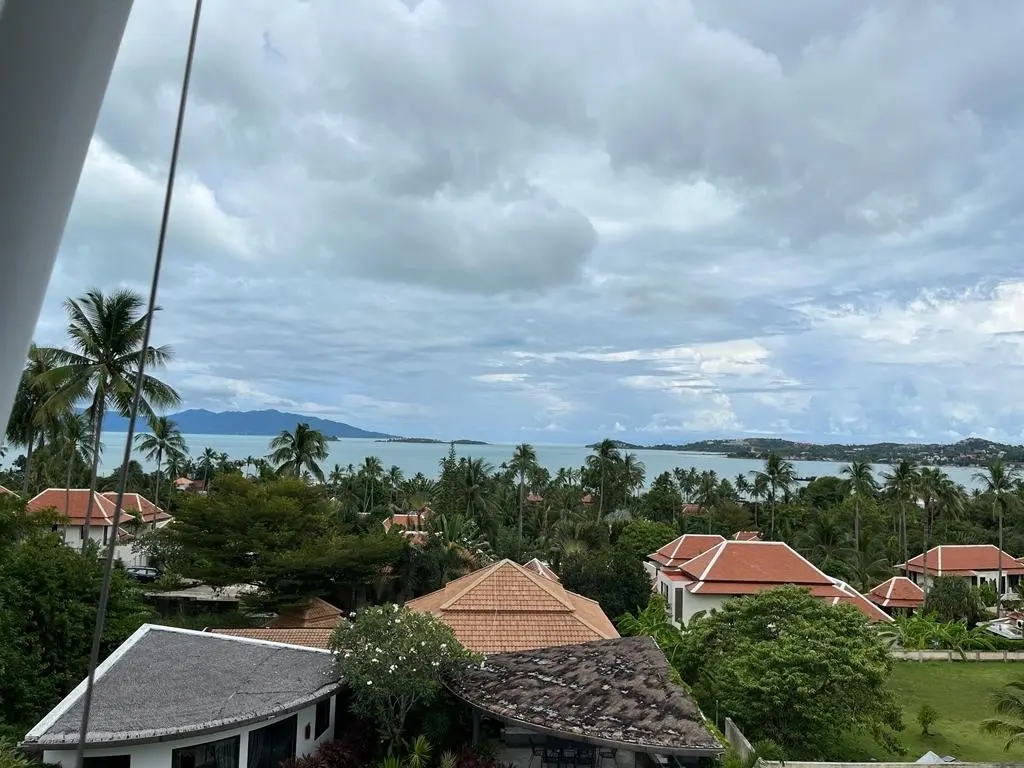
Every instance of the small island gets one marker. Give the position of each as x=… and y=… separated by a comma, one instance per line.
x=431, y=441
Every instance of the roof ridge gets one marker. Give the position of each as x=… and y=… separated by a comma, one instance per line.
x=547, y=585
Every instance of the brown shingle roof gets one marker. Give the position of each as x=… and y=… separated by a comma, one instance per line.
x=963, y=560
x=897, y=592
x=309, y=638
x=686, y=547
x=541, y=569
x=506, y=607
x=317, y=614
x=747, y=536
x=610, y=692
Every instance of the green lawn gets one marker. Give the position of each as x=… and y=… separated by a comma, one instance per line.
x=959, y=691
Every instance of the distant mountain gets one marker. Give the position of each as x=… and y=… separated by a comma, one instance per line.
x=262, y=423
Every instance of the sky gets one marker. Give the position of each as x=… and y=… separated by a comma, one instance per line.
x=558, y=221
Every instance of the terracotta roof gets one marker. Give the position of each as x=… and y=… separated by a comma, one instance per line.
x=541, y=569
x=691, y=509
x=308, y=638
x=7, y=490
x=534, y=497
x=587, y=498
x=73, y=505
x=747, y=536
x=507, y=607
x=963, y=560
x=411, y=521
x=686, y=547
x=317, y=614
x=616, y=693
x=136, y=501
x=748, y=567
x=897, y=592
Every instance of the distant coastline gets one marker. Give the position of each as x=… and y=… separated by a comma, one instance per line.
x=430, y=441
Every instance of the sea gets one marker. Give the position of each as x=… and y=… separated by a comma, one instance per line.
x=426, y=457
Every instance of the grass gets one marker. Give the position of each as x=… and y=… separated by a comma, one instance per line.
x=960, y=692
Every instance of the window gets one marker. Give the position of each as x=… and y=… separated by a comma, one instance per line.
x=323, y=717
x=679, y=606
x=664, y=590
x=273, y=744
x=213, y=754
x=112, y=761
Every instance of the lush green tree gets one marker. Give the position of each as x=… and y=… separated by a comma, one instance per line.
x=1009, y=704
x=998, y=483
x=824, y=492
x=48, y=598
x=106, y=333
x=300, y=451
x=31, y=413
x=165, y=439
x=393, y=661
x=951, y=598
x=640, y=537
x=863, y=486
x=604, y=462
x=789, y=667
x=524, y=461
x=653, y=621
x=613, y=578
x=779, y=475
x=662, y=501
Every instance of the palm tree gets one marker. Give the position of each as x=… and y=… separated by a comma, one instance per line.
x=166, y=440
x=901, y=482
x=998, y=482
x=936, y=491
x=303, y=449
x=524, y=461
x=371, y=472
x=604, y=460
x=863, y=485
x=30, y=414
x=633, y=474
x=1010, y=704
x=106, y=334
x=208, y=464
x=778, y=475
x=77, y=441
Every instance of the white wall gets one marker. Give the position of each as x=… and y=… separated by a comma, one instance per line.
x=158, y=754
x=72, y=535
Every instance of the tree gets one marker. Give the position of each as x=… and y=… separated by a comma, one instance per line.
x=653, y=621
x=106, y=334
x=613, y=578
x=524, y=461
x=603, y=461
x=778, y=475
x=863, y=485
x=901, y=483
x=640, y=537
x=300, y=450
x=998, y=482
x=951, y=598
x=30, y=412
x=935, y=489
x=1009, y=704
x=78, y=442
x=789, y=667
x=927, y=715
x=166, y=440
x=393, y=661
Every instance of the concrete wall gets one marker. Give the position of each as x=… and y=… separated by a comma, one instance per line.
x=72, y=535
x=158, y=754
x=737, y=740
x=955, y=656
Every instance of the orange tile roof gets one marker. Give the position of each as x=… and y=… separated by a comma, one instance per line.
x=748, y=567
x=317, y=614
x=686, y=547
x=507, y=607
x=541, y=569
x=7, y=490
x=411, y=521
x=73, y=505
x=691, y=509
x=136, y=501
x=534, y=497
x=963, y=560
x=747, y=536
x=897, y=592
x=310, y=638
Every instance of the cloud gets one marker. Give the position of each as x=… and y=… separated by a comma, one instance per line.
x=479, y=219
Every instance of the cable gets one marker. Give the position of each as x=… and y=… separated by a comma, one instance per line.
x=108, y=567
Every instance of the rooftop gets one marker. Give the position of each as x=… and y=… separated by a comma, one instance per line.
x=541, y=569
x=507, y=607
x=963, y=560
x=168, y=682
x=306, y=637
x=609, y=693
x=897, y=592
x=74, y=503
x=685, y=548
x=747, y=536
x=316, y=614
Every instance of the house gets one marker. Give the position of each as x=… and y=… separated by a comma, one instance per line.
x=310, y=625
x=72, y=505
x=678, y=551
x=507, y=607
x=184, y=699
x=897, y=592
x=691, y=509
x=747, y=536
x=533, y=498
x=614, y=700
x=737, y=568
x=412, y=524
x=187, y=485
x=978, y=563
x=541, y=569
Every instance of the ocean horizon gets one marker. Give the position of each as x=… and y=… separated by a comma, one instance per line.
x=426, y=457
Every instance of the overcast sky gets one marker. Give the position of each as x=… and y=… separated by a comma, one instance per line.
x=554, y=221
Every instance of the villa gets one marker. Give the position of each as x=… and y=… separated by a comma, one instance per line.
x=677, y=552
x=978, y=563
x=898, y=592
x=412, y=524
x=72, y=505
x=508, y=607
x=184, y=699
x=737, y=568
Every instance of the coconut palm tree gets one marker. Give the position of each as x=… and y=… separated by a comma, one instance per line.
x=101, y=368
x=863, y=486
x=303, y=449
x=1010, y=704
x=524, y=461
x=604, y=460
x=778, y=475
x=207, y=464
x=998, y=482
x=633, y=474
x=77, y=444
x=371, y=472
x=165, y=440
x=901, y=483
x=31, y=416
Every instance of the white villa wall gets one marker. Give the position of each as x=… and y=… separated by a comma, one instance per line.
x=72, y=535
x=158, y=754
x=1010, y=581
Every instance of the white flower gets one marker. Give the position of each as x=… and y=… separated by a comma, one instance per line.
x=401, y=658
x=374, y=661
x=444, y=645
x=348, y=655
x=378, y=650
x=395, y=607
x=369, y=682
x=435, y=664
x=351, y=614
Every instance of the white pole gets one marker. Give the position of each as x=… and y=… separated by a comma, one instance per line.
x=55, y=62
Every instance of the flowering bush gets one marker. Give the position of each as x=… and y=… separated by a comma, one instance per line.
x=393, y=660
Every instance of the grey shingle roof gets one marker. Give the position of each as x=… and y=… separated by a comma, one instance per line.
x=164, y=682
x=608, y=692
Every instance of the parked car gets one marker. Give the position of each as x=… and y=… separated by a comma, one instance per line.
x=144, y=573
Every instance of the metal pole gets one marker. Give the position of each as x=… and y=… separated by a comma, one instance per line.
x=55, y=63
